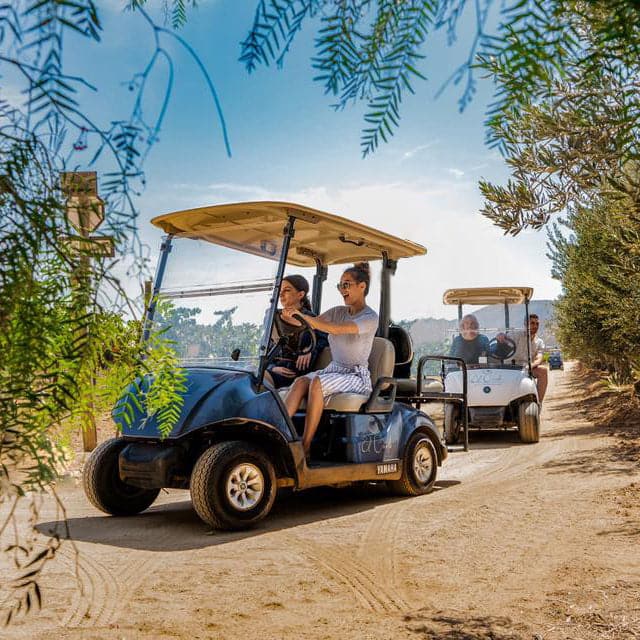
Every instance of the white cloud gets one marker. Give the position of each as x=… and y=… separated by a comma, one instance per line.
x=412, y=152
x=464, y=248
x=458, y=173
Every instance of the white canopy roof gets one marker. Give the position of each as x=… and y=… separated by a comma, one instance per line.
x=488, y=295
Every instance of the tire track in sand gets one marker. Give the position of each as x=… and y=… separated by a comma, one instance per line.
x=98, y=593
x=356, y=577
x=104, y=594
x=378, y=548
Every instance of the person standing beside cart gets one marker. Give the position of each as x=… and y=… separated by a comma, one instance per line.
x=351, y=330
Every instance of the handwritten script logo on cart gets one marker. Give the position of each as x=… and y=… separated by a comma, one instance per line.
x=486, y=377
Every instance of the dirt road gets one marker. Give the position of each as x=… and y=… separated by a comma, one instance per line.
x=518, y=541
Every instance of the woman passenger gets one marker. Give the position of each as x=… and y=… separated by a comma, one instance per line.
x=286, y=362
x=351, y=330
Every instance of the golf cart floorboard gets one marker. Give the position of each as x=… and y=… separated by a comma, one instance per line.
x=320, y=472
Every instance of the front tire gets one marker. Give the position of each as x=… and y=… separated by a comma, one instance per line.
x=529, y=421
x=451, y=423
x=104, y=488
x=419, y=468
x=233, y=485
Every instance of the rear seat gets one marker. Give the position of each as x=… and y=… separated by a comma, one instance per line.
x=409, y=386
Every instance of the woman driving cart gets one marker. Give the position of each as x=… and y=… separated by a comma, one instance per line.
x=351, y=330
x=294, y=353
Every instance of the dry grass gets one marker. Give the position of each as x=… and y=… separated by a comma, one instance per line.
x=612, y=410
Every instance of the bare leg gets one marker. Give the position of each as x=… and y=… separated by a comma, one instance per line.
x=315, y=405
x=297, y=392
x=542, y=378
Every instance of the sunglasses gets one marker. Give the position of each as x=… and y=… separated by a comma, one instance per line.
x=344, y=286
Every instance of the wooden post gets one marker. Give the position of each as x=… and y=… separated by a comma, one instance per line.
x=85, y=211
x=89, y=430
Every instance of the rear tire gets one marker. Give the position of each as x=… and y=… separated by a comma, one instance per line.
x=419, y=468
x=529, y=421
x=451, y=423
x=233, y=485
x=105, y=490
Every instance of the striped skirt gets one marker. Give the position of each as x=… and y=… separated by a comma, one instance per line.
x=336, y=378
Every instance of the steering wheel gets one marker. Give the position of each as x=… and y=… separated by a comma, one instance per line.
x=304, y=328
x=502, y=350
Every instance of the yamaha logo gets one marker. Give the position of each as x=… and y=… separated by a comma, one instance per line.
x=391, y=467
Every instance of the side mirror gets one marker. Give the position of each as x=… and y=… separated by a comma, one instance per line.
x=235, y=354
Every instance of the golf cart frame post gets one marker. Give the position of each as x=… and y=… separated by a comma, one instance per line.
x=282, y=263
x=389, y=268
x=319, y=279
x=165, y=250
x=526, y=324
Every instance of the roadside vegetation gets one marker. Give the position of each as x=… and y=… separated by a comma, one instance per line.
x=66, y=350
x=599, y=264
x=565, y=116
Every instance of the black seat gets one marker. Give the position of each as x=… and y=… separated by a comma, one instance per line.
x=406, y=385
x=403, y=345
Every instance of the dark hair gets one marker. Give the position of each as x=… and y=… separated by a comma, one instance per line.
x=300, y=283
x=361, y=272
x=531, y=315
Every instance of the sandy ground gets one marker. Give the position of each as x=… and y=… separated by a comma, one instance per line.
x=518, y=541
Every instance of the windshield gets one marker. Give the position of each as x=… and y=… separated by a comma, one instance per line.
x=213, y=303
x=490, y=336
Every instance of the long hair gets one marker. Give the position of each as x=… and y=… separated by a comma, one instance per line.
x=300, y=283
x=361, y=272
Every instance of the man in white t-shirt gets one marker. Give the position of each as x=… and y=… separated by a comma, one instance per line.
x=539, y=371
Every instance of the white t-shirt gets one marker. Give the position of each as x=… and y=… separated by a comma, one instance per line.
x=352, y=349
x=520, y=338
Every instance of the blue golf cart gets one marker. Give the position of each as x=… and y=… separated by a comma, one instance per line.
x=234, y=445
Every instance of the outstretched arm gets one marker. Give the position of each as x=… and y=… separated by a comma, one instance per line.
x=335, y=328
x=332, y=327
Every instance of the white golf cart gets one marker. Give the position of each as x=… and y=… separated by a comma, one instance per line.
x=501, y=389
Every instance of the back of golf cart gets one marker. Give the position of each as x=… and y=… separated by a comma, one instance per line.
x=492, y=337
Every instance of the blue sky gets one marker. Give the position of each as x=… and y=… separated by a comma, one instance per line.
x=288, y=144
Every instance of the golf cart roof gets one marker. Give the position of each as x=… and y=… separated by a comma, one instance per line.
x=487, y=295
x=257, y=228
